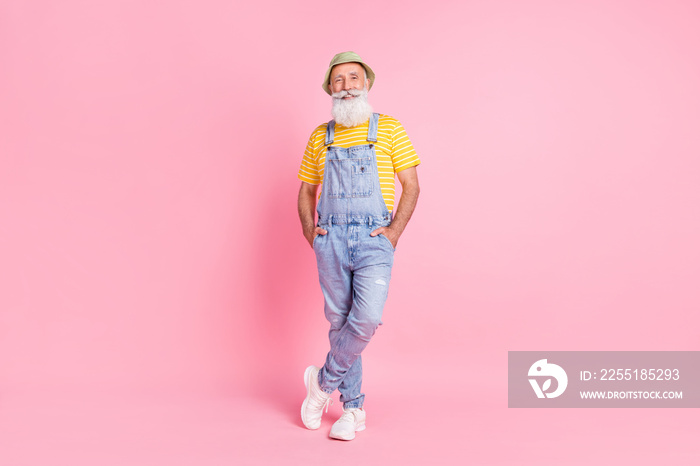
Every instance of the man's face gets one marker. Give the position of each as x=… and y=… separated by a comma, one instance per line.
x=347, y=76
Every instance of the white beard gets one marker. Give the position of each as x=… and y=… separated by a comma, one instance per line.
x=351, y=112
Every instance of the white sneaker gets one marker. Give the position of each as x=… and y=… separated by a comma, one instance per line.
x=352, y=420
x=316, y=399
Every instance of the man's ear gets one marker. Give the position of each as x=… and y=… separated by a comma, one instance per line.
x=367, y=81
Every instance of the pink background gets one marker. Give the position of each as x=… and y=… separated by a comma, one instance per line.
x=158, y=304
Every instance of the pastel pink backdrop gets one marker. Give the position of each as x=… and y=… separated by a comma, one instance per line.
x=158, y=303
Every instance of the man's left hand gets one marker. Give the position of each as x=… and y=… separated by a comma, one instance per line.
x=390, y=234
x=409, y=197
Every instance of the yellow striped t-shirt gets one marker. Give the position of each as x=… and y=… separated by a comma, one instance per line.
x=394, y=152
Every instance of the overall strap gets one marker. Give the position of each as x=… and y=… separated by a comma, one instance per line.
x=373, y=126
x=330, y=132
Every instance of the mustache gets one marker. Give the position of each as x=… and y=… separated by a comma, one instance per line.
x=352, y=92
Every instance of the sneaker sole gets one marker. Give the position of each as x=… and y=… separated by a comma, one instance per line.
x=359, y=428
x=307, y=374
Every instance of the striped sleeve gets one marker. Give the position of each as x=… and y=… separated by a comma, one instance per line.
x=309, y=171
x=403, y=155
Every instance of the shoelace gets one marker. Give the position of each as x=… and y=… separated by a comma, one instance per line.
x=326, y=404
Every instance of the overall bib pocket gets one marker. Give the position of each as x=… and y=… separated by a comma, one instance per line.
x=358, y=184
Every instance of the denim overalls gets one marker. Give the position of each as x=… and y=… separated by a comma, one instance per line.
x=354, y=268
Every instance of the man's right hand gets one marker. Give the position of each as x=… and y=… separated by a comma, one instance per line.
x=316, y=231
x=307, y=207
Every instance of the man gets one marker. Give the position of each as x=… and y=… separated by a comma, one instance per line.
x=355, y=157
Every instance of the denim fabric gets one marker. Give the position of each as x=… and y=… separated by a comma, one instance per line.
x=354, y=268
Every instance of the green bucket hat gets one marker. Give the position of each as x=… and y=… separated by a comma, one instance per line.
x=346, y=57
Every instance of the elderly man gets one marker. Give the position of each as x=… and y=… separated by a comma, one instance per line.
x=355, y=157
